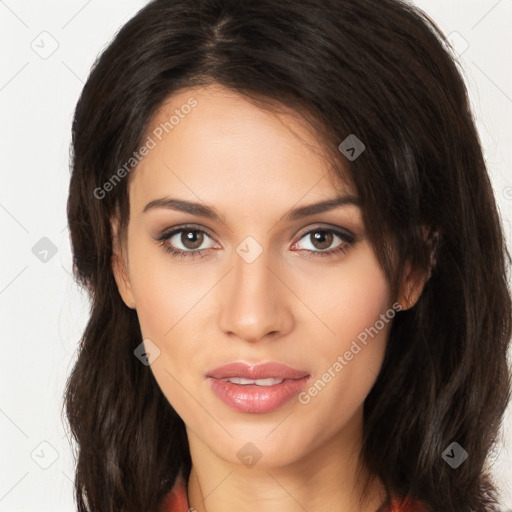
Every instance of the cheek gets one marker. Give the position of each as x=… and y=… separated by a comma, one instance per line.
x=346, y=299
x=163, y=292
x=169, y=301
x=348, y=355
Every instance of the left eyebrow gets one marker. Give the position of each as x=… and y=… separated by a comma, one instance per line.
x=323, y=206
x=204, y=210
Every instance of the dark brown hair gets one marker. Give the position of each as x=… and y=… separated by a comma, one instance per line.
x=378, y=69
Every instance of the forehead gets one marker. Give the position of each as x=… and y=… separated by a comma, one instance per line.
x=213, y=143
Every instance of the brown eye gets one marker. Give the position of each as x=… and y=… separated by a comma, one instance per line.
x=186, y=241
x=325, y=242
x=321, y=239
x=191, y=239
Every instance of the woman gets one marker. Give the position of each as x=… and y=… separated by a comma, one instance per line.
x=298, y=277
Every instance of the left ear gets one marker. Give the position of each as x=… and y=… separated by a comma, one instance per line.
x=414, y=280
x=411, y=286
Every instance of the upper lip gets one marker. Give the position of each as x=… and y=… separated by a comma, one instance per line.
x=258, y=371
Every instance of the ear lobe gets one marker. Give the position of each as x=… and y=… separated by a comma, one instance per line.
x=120, y=270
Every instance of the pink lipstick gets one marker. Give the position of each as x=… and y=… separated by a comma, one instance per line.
x=256, y=389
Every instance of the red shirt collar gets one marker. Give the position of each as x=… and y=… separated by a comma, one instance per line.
x=176, y=500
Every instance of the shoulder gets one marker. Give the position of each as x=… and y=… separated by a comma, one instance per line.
x=403, y=505
x=176, y=499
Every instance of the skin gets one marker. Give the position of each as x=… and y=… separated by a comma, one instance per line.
x=253, y=166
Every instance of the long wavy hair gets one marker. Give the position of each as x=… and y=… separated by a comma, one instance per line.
x=379, y=69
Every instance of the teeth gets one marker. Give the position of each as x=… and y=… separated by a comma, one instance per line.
x=259, y=382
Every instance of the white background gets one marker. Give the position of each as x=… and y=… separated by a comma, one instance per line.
x=42, y=312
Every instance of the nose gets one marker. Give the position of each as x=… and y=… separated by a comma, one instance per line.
x=255, y=304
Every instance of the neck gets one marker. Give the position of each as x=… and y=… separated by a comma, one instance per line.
x=325, y=479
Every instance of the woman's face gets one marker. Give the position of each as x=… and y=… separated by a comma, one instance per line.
x=258, y=283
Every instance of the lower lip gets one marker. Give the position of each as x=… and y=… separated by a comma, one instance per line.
x=255, y=399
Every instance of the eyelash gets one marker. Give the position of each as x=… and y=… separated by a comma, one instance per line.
x=347, y=238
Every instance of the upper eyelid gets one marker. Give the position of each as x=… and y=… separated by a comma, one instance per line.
x=329, y=227
x=338, y=231
x=168, y=232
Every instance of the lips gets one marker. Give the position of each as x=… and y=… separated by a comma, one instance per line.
x=251, y=397
x=260, y=371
